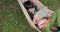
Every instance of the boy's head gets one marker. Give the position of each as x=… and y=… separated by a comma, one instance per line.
x=29, y=6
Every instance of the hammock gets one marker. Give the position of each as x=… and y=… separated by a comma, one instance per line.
x=26, y=13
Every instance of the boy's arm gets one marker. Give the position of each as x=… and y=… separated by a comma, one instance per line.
x=34, y=19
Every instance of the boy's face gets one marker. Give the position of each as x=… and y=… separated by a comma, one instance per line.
x=31, y=10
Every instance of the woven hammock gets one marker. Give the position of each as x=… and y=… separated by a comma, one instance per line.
x=26, y=13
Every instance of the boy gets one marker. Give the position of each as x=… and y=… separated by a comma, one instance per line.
x=35, y=16
x=30, y=8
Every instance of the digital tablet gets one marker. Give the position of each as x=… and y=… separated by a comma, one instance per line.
x=42, y=13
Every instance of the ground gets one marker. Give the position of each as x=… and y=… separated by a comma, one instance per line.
x=12, y=18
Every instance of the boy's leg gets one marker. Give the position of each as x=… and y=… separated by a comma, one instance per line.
x=47, y=27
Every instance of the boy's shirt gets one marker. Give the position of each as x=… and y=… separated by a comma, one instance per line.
x=31, y=14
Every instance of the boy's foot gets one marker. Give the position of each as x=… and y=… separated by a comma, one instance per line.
x=54, y=28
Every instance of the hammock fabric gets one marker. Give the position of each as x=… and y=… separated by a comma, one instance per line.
x=26, y=13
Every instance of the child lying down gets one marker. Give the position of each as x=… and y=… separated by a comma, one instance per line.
x=40, y=17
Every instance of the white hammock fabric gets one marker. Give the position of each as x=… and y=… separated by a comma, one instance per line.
x=26, y=13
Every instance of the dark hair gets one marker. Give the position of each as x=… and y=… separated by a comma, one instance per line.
x=28, y=5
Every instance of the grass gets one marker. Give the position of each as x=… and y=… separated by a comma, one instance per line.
x=12, y=18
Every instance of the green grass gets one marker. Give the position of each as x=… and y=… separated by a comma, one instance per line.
x=12, y=18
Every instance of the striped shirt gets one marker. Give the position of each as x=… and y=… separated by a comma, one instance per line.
x=43, y=22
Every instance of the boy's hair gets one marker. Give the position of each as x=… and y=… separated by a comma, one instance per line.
x=28, y=5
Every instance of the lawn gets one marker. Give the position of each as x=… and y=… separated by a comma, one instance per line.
x=12, y=18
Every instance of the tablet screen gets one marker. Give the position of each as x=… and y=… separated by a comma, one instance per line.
x=42, y=13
